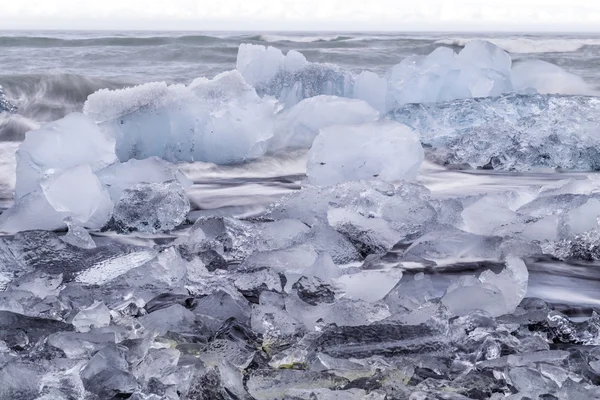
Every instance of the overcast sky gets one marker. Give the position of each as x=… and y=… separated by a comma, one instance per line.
x=517, y=15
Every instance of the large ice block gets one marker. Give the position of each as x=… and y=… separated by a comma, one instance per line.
x=221, y=120
x=381, y=150
x=510, y=132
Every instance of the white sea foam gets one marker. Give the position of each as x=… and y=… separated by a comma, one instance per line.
x=528, y=46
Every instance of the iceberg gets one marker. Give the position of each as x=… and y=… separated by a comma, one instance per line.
x=510, y=132
x=222, y=120
x=380, y=150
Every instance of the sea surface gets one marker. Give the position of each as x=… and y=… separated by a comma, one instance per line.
x=49, y=74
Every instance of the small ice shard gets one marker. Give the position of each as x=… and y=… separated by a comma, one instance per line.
x=381, y=339
x=221, y=120
x=314, y=291
x=496, y=294
x=121, y=176
x=298, y=126
x=292, y=260
x=39, y=283
x=95, y=316
x=343, y=312
x=410, y=293
x=280, y=234
x=489, y=216
x=106, y=374
x=107, y=263
x=450, y=244
x=280, y=384
x=369, y=286
x=583, y=218
x=151, y=207
x=175, y=318
x=77, y=236
x=510, y=132
x=59, y=146
x=546, y=78
x=290, y=78
x=75, y=193
x=382, y=150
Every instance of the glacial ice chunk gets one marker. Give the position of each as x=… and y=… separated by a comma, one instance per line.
x=151, y=207
x=121, y=176
x=546, y=78
x=510, y=132
x=496, y=294
x=369, y=286
x=372, y=88
x=290, y=78
x=77, y=236
x=298, y=126
x=362, y=211
x=58, y=146
x=97, y=315
x=75, y=193
x=481, y=69
x=222, y=120
x=381, y=150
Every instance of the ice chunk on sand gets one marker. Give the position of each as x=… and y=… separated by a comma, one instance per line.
x=496, y=294
x=545, y=78
x=511, y=132
x=298, y=126
x=381, y=150
x=290, y=78
x=75, y=193
x=221, y=120
x=481, y=69
x=97, y=315
x=370, y=286
x=58, y=146
x=151, y=207
x=121, y=176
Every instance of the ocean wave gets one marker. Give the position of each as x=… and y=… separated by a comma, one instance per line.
x=43, y=42
x=47, y=97
x=302, y=39
x=528, y=46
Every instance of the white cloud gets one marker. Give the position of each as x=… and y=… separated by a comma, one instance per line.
x=300, y=14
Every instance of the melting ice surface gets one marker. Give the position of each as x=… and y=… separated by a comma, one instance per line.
x=369, y=281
